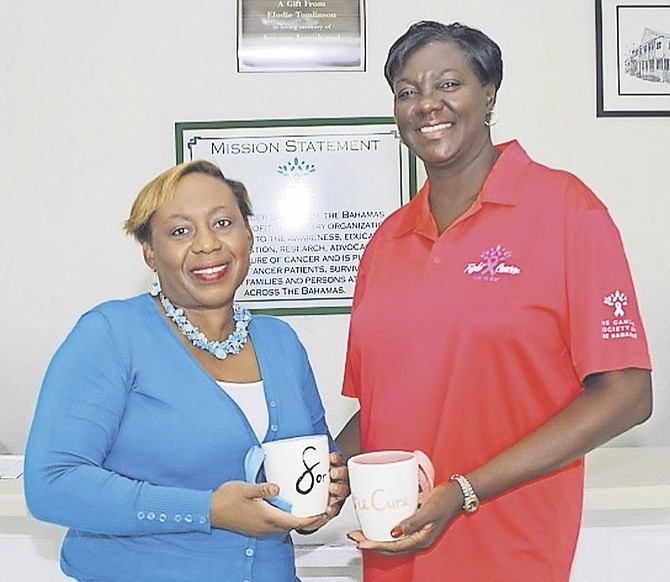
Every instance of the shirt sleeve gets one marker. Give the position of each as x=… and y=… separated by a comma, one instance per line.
x=79, y=410
x=606, y=331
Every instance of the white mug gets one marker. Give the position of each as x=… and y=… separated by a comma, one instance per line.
x=386, y=487
x=301, y=468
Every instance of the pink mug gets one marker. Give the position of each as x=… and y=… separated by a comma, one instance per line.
x=386, y=487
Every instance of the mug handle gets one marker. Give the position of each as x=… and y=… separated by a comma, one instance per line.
x=253, y=461
x=426, y=473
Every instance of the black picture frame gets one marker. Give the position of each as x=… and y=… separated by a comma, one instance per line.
x=632, y=58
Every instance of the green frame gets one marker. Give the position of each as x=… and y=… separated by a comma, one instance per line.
x=187, y=127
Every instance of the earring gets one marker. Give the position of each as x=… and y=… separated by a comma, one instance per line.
x=155, y=288
x=491, y=118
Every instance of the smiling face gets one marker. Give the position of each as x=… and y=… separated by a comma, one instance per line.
x=441, y=106
x=200, y=244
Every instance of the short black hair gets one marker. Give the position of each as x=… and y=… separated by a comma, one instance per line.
x=482, y=52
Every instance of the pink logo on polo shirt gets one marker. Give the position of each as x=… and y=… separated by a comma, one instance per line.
x=493, y=265
x=618, y=326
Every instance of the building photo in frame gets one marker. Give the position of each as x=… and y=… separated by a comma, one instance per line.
x=633, y=58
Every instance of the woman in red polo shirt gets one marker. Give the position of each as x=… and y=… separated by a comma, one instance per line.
x=494, y=326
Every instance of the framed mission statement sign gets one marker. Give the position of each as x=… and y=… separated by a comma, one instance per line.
x=319, y=189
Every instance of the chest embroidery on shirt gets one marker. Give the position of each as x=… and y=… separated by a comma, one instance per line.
x=492, y=265
x=618, y=326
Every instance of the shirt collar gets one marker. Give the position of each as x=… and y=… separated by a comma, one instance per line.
x=499, y=188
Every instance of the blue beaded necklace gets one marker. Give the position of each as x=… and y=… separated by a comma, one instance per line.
x=219, y=349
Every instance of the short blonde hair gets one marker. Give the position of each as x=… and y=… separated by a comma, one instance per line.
x=162, y=189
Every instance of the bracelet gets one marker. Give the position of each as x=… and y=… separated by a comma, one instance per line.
x=470, y=499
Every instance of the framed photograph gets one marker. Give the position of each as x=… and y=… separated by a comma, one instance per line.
x=300, y=35
x=319, y=189
x=633, y=58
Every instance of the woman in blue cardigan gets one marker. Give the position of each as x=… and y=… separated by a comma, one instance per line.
x=149, y=407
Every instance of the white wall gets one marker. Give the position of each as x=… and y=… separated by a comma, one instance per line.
x=90, y=92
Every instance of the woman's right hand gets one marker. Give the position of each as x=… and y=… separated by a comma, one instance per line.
x=419, y=531
x=241, y=507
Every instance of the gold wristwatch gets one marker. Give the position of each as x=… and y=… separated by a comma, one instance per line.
x=470, y=499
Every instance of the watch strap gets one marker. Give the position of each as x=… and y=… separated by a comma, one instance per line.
x=470, y=499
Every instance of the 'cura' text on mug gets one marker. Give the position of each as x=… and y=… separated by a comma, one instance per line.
x=378, y=501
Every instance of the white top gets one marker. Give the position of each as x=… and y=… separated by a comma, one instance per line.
x=250, y=397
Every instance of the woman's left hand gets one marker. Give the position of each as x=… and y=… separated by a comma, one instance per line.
x=419, y=531
x=339, y=491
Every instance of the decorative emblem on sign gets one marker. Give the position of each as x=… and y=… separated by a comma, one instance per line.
x=296, y=168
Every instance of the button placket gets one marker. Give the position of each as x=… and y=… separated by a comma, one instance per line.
x=249, y=552
x=273, y=407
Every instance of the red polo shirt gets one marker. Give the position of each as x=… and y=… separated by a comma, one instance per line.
x=463, y=343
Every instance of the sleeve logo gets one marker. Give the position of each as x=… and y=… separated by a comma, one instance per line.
x=619, y=326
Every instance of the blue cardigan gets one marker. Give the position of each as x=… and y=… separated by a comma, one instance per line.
x=131, y=436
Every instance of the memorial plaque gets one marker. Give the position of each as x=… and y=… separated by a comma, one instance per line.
x=300, y=35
